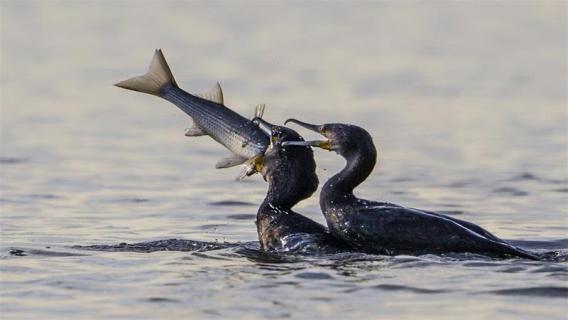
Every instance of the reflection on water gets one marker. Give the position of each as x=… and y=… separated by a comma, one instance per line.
x=466, y=102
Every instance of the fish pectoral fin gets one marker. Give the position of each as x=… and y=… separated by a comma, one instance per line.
x=214, y=95
x=246, y=171
x=230, y=161
x=251, y=167
x=194, y=131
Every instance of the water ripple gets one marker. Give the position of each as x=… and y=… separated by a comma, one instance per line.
x=241, y=216
x=394, y=287
x=545, y=292
x=510, y=191
x=231, y=203
x=160, y=245
x=13, y=160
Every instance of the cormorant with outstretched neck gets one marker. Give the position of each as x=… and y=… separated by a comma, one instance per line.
x=382, y=227
x=291, y=177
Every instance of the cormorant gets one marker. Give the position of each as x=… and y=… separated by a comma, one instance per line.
x=382, y=227
x=291, y=177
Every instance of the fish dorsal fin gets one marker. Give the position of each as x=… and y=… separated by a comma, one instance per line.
x=259, y=110
x=230, y=161
x=214, y=95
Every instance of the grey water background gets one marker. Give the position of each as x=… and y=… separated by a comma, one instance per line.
x=467, y=103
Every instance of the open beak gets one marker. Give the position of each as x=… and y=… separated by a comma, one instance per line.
x=324, y=144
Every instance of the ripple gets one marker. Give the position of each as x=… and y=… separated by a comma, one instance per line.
x=548, y=292
x=43, y=196
x=131, y=200
x=210, y=226
x=260, y=256
x=210, y=256
x=395, y=287
x=480, y=264
x=525, y=176
x=13, y=160
x=162, y=300
x=241, y=216
x=278, y=284
x=22, y=252
x=160, y=245
x=230, y=203
x=313, y=275
x=537, y=244
x=511, y=191
x=18, y=252
x=451, y=212
x=462, y=184
x=551, y=268
x=513, y=269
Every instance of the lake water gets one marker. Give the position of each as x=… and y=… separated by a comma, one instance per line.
x=467, y=103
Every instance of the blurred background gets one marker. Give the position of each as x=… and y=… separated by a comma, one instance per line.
x=466, y=101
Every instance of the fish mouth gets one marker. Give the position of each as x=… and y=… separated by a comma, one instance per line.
x=324, y=144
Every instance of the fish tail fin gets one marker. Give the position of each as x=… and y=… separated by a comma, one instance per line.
x=156, y=78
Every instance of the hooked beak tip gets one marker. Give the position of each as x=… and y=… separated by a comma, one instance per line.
x=309, y=126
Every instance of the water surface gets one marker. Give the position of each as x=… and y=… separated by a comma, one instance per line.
x=466, y=102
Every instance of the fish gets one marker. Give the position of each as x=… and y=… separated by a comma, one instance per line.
x=209, y=114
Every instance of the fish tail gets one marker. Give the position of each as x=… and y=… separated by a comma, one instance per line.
x=158, y=77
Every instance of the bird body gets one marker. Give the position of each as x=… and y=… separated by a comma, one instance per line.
x=382, y=227
x=291, y=177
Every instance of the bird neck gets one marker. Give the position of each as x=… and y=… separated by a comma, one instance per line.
x=291, y=178
x=281, y=194
x=359, y=165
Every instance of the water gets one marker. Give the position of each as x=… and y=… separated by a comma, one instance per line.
x=467, y=104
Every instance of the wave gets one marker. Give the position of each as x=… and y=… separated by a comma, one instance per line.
x=552, y=251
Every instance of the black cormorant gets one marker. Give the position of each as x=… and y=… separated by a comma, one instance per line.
x=291, y=177
x=382, y=227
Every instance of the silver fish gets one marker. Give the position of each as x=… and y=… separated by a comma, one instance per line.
x=210, y=116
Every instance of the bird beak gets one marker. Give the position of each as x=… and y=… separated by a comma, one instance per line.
x=324, y=144
x=313, y=127
x=263, y=125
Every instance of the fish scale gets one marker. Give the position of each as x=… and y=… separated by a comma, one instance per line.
x=211, y=117
x=219, y=122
